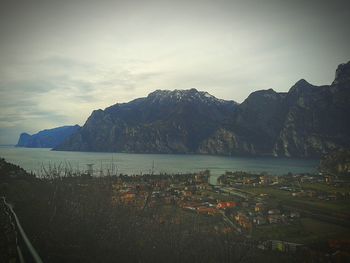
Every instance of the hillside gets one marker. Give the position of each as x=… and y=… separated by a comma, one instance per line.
x=47, y=138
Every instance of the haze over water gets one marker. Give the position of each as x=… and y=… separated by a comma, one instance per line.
x=32, y=159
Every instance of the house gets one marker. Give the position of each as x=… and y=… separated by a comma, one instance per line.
x=328, y=179
x=207, y=210
x=187, y=193
x=294, y=214
x=332, y=197
x=274, y=218
x=283, y=246
x=260, y=220
x=243, y=220
x=189, y=207
x=250, y=180
x=259, y=207
x=299, y=194
x=274, y=211
x=128, y=197
x=224, y=205
x=116, y=187
x=265, y=180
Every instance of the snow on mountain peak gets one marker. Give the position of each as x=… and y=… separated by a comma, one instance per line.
x=184, y=95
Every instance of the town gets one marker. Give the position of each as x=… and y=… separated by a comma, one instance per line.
x=275, y=210
x=276, y=218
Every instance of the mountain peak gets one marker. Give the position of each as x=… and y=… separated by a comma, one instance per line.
x=160, y=92
x=342, y=74
x=183, y=95
x=301, y=82
x=299, y=85
x=262, y=96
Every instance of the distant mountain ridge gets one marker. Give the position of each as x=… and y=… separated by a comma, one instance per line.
x=306, y=121
x=165, y=122
x=49, y=138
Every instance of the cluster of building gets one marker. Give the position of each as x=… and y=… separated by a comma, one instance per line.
x=193, y=193
x=229, y=201
x=147, y=191
x=261, y=214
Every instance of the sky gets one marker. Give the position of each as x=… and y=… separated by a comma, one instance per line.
x=60, y=60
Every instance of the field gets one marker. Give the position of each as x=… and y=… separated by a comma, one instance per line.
x=326, y=187
x=305, y=231
x=321, y=219
x=339, y=207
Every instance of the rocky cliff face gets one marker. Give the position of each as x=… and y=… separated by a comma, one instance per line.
x=307, y=121
x=317, y=118
x=47, y=138
x=24, y=139
x=164, y=122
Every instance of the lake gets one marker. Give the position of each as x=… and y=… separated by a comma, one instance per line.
x=32, y=159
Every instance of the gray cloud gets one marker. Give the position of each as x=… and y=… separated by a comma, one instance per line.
x=64, y=62
x=62, y=59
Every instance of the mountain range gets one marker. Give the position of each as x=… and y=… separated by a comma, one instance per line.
x=47, y=138
x=306, y=121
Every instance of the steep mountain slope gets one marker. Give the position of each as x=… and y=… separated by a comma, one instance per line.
x=317, y=121
x=307, y=121
x=252, y=129
x=47, y=138
x=165, y=122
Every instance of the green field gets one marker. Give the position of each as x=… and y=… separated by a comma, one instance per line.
x=325, y=187
x=303, y=231
x=341, y=207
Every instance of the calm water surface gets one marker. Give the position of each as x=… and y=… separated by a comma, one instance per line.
x=32, y=159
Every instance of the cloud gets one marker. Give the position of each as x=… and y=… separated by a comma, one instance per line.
x=60, y=60
x=64, y=62
x=57, y=90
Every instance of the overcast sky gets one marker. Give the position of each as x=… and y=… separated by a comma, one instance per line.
x=59, y=60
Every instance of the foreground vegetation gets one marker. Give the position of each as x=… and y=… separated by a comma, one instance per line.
x=76, y=218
